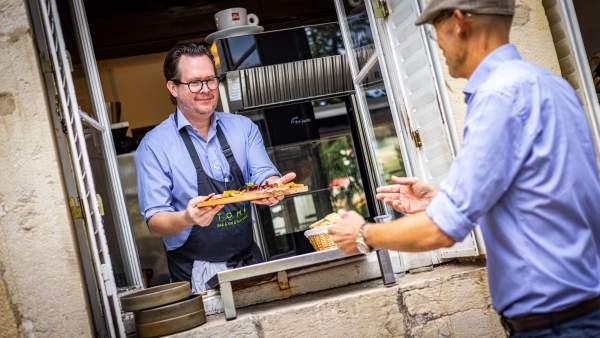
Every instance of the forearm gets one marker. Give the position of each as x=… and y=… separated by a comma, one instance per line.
x=169, y=222
x=411, y=233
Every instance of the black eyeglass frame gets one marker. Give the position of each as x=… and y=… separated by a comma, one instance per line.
x=219, y=78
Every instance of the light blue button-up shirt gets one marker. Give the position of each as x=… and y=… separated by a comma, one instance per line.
x=527, y=174
x=167, y=177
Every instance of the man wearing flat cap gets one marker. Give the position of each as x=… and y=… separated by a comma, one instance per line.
x=526, y=173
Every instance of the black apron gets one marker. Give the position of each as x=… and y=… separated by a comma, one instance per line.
x=229, y=238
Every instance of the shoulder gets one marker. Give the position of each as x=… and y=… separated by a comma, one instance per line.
x=157, y=138
x=517, y=77
x=235, y=122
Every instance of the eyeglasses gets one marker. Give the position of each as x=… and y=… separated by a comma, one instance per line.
x=197, y=85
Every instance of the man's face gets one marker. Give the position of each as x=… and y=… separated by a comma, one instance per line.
x=453, y=47
x=193, y=68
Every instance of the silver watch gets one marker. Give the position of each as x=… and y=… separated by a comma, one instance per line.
x=361, y=241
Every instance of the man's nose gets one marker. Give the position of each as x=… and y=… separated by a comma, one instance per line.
x=205, y=89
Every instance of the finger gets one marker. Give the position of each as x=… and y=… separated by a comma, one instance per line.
x=203, y=210
x=196, y=200
x=287, y=177
x=400, y=206
x=354, y=214
x=404, y=180
x=263, y=201
x=389, y=195
x=394, y=188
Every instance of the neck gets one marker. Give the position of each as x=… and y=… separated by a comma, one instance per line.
x=481, y=47
x=200, y=122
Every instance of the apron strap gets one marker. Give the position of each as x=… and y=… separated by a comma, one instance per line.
x=202, y=177
x=234, y=168
x=200, y=174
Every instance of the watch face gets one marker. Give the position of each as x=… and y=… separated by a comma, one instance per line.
x=362, y=247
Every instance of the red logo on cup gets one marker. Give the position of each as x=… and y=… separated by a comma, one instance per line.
x=235, y=16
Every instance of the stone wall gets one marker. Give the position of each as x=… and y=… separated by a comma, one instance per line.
x=41, y=289
x=531, y=34
x=451, y=301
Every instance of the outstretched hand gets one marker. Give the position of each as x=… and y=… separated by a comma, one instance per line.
x=201, y=216
x=276, y=180
x=407, y=194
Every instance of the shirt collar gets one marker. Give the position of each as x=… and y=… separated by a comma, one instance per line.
x=489, y=63
x=182, y=121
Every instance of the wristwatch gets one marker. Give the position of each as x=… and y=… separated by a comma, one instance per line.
x=361, y=241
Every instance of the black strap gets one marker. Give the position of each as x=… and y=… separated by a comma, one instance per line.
x=202, y=177
x=234, y=168
x=549, y=320
x=200, y=174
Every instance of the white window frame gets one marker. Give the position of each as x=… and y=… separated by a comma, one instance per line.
x=570, y=25
x=399, y=96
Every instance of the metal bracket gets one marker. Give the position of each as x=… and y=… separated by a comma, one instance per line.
x=45, y=64
x=110, y=287
x=380, y=8
x=100, y=204
x=75, y=207
x=416, y=136
x=282, y=280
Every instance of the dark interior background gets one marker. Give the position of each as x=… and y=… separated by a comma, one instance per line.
x=122, y=28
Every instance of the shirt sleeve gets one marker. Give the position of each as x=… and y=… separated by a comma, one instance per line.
x=154, y=182
x=489, y=160
x=259, y=163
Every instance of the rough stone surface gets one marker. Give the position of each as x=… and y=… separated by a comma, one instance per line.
x=40, y=275
x=451, y=301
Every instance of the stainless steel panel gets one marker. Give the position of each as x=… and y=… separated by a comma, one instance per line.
x=280, y=265
x=268, y=85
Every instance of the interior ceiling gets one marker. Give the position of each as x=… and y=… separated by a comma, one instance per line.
x=587, y=15
x=122, y=28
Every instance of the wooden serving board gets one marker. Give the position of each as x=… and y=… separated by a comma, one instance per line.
x=251, y=196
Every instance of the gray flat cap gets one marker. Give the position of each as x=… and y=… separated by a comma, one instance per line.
x=436, y=7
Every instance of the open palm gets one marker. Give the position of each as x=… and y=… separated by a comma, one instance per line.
x=407, y=194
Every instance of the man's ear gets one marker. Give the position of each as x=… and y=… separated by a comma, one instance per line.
x=172, y=87
x=461, y=25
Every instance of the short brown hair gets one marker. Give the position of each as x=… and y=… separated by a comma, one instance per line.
x=170, y=66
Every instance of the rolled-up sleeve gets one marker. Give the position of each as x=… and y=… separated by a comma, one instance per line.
x=154, y=182
x=259, y=163
x=494, y=149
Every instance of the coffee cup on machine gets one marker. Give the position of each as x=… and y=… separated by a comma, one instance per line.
x=234, y=17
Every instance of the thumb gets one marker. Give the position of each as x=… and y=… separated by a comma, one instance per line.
x=287, y=178
x=343, y=213
x=196, y=200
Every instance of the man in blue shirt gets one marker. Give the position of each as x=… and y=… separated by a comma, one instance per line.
x=192, y=155
x=526, y=173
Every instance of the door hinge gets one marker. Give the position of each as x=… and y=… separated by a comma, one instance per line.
x=75, y=208
x=77, y=211
x=416, y=136
x=45, y=64
x=108, y=282
x=282, y=280
x=100, y=204
x=380, y=8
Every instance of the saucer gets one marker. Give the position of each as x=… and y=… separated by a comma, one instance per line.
x=234, y=31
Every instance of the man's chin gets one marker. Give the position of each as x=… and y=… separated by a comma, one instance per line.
x=205, y=110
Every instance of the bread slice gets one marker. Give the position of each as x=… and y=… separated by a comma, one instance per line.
x=330, y=219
